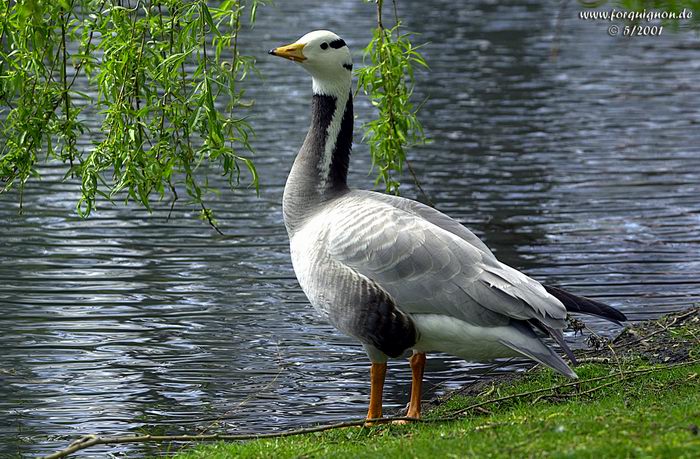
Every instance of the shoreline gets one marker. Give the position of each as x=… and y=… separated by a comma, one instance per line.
x=637, y=396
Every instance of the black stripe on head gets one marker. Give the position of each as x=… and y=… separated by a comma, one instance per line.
x=339, y=43
x=348, y=66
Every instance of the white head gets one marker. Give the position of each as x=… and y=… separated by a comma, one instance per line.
x=326, y=57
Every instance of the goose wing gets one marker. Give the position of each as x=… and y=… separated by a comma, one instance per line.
x=429, y=269
x=429, y=214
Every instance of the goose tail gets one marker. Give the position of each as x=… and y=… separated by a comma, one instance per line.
x=583, y=305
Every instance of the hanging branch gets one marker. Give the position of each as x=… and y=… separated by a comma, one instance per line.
x=414, y=176
x=388, y=80
x=161, y=127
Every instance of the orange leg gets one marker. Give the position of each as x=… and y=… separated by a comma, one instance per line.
x=377, y=373
x=417, y=368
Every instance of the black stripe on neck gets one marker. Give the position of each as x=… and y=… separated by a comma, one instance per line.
x=322, y=108
x=338, y=174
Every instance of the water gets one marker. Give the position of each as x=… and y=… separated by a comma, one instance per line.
x=583, y=171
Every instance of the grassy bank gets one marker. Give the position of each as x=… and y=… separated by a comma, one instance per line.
x=638, y=396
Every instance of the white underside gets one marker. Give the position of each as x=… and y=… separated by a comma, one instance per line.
x=456, y=337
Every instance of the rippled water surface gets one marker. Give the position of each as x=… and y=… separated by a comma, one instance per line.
x=573, y=154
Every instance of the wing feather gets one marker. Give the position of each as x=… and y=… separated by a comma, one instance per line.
x=429, y=269
x=429, y=214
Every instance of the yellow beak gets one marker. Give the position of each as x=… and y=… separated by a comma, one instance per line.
x=291, y=52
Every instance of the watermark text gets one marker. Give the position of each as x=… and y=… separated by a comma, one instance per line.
x=634, y=28
x=619, y=15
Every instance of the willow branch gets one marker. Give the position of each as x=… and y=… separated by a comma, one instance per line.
x=388, y=91
x=65, y=17
x=417, y=183
x=207, y=214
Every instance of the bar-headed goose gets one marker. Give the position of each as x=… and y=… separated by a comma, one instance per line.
x=394, y=273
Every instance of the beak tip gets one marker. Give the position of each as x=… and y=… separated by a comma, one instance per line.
x=292, y=52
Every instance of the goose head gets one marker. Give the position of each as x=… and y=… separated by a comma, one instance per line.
x=326, y=57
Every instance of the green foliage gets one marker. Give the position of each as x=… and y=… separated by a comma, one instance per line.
x=388, y=81
x=163, y=79
x=166, y=75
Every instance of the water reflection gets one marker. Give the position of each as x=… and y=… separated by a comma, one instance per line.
x=583, y=171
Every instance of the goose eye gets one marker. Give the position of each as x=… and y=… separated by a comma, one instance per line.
x=324, y=45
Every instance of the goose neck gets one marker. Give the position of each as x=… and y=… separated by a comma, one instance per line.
x=320, y=170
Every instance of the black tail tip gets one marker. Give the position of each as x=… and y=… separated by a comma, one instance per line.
x=583, y=305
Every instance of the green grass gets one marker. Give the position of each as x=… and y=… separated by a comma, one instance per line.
x=641, y=415
x=640, y=399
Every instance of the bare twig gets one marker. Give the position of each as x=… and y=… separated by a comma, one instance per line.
x=207, y=214
x=697, y=339
x=607, y=343
x=594, y=360
x=661, y=330
x=247, y=399
x=554, y=50
x=417, y=183
x=577, y=394
x=93, y=440
x=174, y=199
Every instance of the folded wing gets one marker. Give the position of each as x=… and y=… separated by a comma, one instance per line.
x=428, y=267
